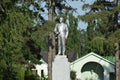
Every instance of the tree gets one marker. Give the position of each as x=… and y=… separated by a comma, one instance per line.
x=13, y=27
x=117, y=60
x=100, y=26
x=73, y=41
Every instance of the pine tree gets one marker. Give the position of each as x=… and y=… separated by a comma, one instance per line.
x=101, y=20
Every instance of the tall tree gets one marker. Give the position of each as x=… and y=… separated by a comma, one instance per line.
x=99, y=26
x=56, y=7
x=73, y=41
x=14, y=24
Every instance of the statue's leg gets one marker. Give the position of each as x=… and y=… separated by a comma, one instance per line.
x=59, y=45
x=63, y=45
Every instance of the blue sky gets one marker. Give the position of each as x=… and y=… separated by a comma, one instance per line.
x=78, y=5
x=75, y=4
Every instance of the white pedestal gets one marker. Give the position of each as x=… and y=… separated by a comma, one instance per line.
x=60, y=68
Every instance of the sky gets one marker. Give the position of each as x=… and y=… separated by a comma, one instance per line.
x=78, y=4
x=75, y=4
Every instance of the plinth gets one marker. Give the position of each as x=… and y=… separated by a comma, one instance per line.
x=60, y=68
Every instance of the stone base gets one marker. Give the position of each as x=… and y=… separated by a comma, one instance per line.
x=60, y=68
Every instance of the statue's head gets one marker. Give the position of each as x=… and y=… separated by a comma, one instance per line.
x=61, y=19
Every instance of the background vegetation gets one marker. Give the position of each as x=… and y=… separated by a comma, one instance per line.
x=24, y=33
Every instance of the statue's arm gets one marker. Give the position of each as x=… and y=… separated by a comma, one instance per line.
x=55, y=29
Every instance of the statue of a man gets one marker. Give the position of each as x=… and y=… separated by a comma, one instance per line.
x=61, y=30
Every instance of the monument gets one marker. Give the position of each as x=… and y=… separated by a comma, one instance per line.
x=60, y=65
x=61, y=30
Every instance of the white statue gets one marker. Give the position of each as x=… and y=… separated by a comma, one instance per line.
x=61, y=30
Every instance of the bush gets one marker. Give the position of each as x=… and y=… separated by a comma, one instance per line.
x=73, y=75
x=29, y=75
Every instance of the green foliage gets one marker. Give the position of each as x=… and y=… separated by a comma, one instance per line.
x=98, y=44
x=73, y=75
x=115, y=37
x=19, y=71
x=16, y=71
x=3, y=67
x=101, y=31
x=14, y=26
x=40, y=37
x=21, y=40
x=73, y=43
x=29, y=75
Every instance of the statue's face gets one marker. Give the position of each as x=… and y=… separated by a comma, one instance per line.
x=61, y=19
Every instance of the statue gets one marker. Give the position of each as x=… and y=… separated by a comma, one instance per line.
x=61, y=30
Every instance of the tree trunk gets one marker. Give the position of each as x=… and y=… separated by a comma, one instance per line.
x=51, y=10
x=117, y=55
x=51, y=54
x=115, y=2
x=116, y=16
x=51, y=40
x=53, y=49
x=117, y=61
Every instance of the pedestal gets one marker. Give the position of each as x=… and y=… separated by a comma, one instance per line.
x=60, y=68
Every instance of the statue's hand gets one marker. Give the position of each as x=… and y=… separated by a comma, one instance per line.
x=56, y=34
